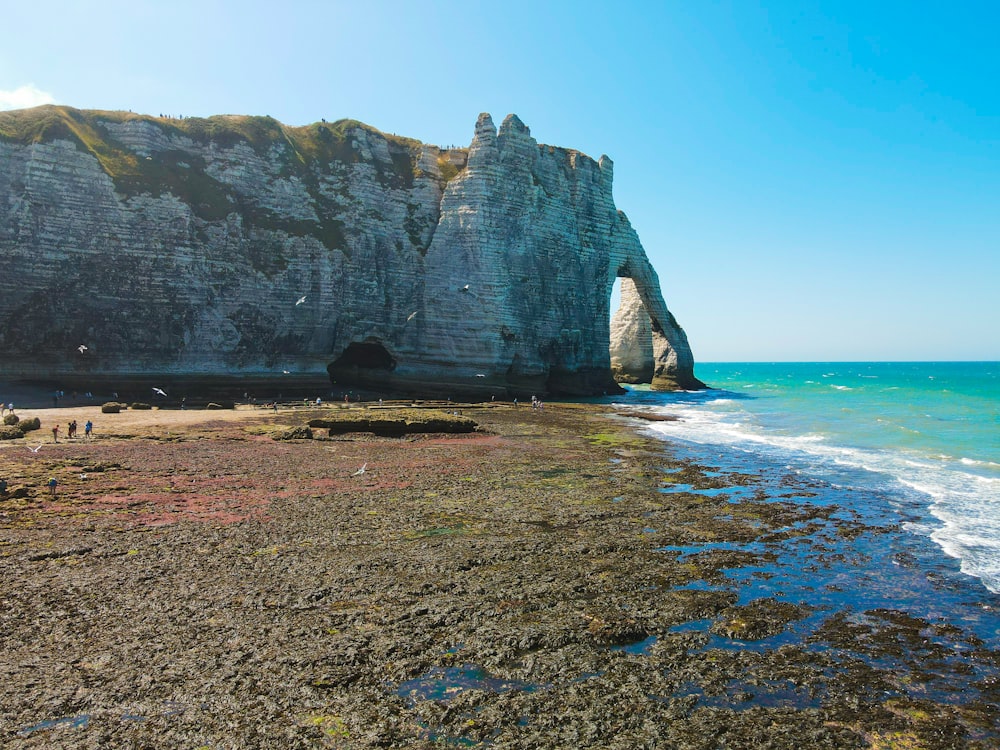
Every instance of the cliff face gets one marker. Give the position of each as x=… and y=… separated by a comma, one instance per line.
x=186, y=247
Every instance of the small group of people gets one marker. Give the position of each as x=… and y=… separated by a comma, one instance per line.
x=71, y=429
x=536, y=403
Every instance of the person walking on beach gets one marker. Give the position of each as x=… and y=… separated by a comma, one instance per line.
x=88, y=428
x=52, y=486
x=55, y=433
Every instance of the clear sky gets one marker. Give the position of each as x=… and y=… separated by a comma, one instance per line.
x=811, y=180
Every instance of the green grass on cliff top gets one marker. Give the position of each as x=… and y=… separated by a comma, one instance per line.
x=319, y=141
x=52, y=122
x=182, y=172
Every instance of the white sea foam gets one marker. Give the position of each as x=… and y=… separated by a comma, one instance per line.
x=974, y=462
x=920, y=529
x=964, y=501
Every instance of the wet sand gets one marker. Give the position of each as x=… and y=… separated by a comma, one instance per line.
x=197, y=583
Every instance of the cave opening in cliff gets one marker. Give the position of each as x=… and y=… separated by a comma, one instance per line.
x=368, y=355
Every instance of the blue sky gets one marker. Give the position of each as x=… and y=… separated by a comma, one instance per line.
x=811, y=180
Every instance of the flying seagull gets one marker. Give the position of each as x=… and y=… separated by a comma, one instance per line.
x=159, y=391
x=35, y=449
x=360, y=471
x=465, y=288
x=82, y=348
x=286, y=372
x=300, y=300
x=480, y=375
x=411, y=316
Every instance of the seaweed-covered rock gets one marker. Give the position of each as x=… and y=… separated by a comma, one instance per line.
x=111, y=407
x=11, y=419
x=294, y=433
x=400, y=422
x=759, y=619
x=10, y=432
x=27, y=425
x=139, y=406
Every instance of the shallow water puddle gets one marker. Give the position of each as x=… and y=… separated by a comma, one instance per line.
x=74, y=722
x=447, y=683
x=81, y=721
x=638, y=648
x=734, y=492
x=690, y=550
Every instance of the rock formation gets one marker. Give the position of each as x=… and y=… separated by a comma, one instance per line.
x=236, y=247
x=631, y=338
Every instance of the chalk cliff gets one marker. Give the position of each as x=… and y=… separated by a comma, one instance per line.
x=239, y=247
x=631, y=338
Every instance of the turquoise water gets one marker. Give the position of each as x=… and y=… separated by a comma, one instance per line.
x=921, y=435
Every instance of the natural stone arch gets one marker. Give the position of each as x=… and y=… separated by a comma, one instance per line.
x=672, y=362
x=631, y=340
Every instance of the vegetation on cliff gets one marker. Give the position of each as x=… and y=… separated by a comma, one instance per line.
x=305, y=153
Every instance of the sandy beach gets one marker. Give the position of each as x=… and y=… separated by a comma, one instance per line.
x=195, y=582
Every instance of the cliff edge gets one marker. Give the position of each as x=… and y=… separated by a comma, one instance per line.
x=237, y=247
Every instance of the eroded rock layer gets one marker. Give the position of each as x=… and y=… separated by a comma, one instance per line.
x=631, y=339
x=237, y=246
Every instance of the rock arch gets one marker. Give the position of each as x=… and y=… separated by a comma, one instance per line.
x=661, y=357
x=631, y=346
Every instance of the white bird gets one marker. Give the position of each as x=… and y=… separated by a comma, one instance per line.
x=301, y=300
x=360, y=471
x=465, y=288
x=83, y=476
x=480, y=375
x=82, y=348
x=411, y=316
x=35, y=449
x=285, y=372
x=159, y=391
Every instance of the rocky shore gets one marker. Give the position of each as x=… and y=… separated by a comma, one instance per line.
x=196, y=582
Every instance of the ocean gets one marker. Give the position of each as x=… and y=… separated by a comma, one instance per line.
x=913, y=446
